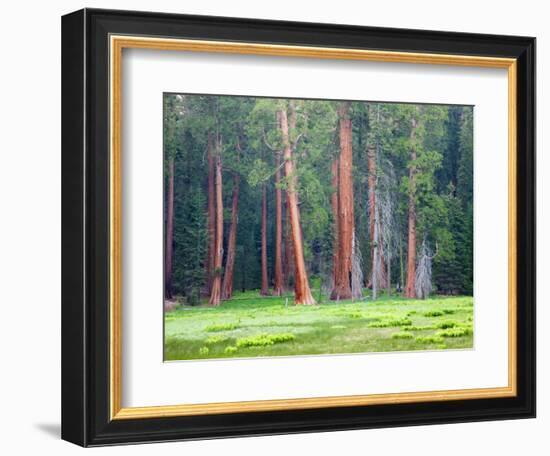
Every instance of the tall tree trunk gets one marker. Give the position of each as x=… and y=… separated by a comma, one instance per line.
x=342, y=287
x=227, y=286
x=169, y=231
x=401, y=269
x=335, y=215
x=410, y=289
x=211, y=215
x=376, y=243
x=278, y=284
x=289, y=255
x=302, y=292
x=388, y=273
x=215, y=293
x=375, y=255
x=265, y=280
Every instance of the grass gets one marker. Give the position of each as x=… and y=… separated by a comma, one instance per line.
x=250, y=326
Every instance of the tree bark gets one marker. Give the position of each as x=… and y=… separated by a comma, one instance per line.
x=211, y=215
x=289, y=255
x=342, y=286
x=410, y=289
x=227, y=286
x=169, y=231
x=215, y=293
x=335, y=215
x=265, y=280
x=278, y=284
x=376, y=245
x=302, y=292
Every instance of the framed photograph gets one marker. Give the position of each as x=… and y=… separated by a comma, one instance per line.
x=278, y=227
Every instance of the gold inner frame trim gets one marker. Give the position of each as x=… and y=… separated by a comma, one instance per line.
x=116, y=46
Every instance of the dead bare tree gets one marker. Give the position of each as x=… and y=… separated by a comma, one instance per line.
x=388, y=226
x=356, y=269
x=423, y=280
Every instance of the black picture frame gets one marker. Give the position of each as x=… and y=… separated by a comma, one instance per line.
x=85, y=228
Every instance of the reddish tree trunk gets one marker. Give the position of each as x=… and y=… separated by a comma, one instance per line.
x=371, y=180
x=335, y=215
x=211, y=215
x=278, y=283
x=227, y=286
x=169, y=231
x=289, y=255
x=302, y=292
x=342, y=286
x=410, y=289
x=215, y=293
x=265, y=280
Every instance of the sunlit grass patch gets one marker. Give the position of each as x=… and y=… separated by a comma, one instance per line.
x=419, y=328
x=433, y=313
x=254, y=326
x=390, y=323
x=221, y=327
x=402, y=335
x=447, y=324
x=263, y=340
x=429, y=339
x=216, y=340
x=455, y=332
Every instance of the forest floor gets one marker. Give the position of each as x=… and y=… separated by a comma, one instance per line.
x=250, y=326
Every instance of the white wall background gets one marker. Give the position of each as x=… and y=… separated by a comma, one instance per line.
x=30, y=211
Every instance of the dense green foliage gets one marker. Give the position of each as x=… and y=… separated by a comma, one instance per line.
x=250, y=326
x=249, y=136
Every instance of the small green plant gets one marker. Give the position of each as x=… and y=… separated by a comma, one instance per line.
x=441, y=346
x=230, y=350
x=446, y=325
x=433, y=313
x=455, y=332
x=215, y=340
x=263, y=340
x=402, y=335
x=419, y=328
x=204, y=351
x=221, y=327
x=390, y=323
x=448, y=311
x=429, y=339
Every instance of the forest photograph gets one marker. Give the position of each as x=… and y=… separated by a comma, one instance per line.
x=315, y=227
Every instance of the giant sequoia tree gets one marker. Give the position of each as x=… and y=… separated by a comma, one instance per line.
x=345, y=218
x=285, y=195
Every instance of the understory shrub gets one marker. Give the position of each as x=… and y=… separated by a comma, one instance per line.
x=402, y=335
x=419, y=328
x=263, y=340
x=221, y=327
x=455, y=332
x=433, y=313
x=215, y=340
x=429, y=339
x=390, y=323
x=446, y=325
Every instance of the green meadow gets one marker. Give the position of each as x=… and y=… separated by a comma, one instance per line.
x=250, y=326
